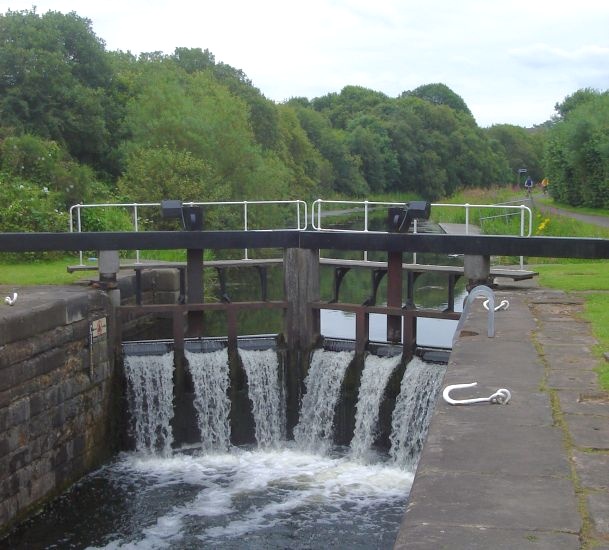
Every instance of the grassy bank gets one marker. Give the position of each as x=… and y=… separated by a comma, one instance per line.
x=590, y=281
x=39, y=272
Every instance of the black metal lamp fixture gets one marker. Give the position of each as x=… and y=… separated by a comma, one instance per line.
x=400, y=217
x=191, y=216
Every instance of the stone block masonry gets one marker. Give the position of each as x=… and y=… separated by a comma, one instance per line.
x=58, y=400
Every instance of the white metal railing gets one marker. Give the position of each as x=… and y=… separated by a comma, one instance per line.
x=317, y=215
x=367, y=206
x=301, y=215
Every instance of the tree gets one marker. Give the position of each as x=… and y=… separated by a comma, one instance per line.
x=344, y=175
x=440, y=94
x=153, y=174
x=53, y=73
x=370, y=142
x=572, y=101
x=351, y=102
x=577, y=156
x=522, y=148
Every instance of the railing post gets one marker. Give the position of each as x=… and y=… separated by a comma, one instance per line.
x=79, y=226
x=415, y=228
x=522, y=208
x=245, y=223
x=365, y=226
x=136, y=227
x=298, y=214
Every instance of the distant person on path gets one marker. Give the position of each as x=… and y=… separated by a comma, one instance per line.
x=544, y=185
x=528, y=185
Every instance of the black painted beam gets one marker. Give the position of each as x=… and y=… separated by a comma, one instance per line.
x=149, y=240
x=556, y=247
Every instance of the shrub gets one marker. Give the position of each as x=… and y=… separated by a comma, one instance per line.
x=28, y=207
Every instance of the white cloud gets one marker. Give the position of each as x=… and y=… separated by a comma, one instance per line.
x=544, y=55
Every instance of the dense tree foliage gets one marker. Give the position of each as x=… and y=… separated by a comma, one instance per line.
x=440, y=94
x=522, y=148
x=81, y=124
x=577, y=153
x=54, y=73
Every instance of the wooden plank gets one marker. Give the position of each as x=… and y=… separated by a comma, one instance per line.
x=514, y=274
x=178, y=265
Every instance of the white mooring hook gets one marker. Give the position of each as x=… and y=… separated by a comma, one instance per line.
x=503, y=305
x=500, y=397
x=11, y=301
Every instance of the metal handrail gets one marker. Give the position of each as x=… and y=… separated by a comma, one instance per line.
x=316, y=216
x=316, y=213
x=75, y=219
x=301, y=215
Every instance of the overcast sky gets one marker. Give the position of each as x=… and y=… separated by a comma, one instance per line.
x=510, y=60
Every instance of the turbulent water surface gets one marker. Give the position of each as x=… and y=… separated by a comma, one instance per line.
x=301, y=494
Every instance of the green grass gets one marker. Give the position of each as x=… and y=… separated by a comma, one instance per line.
x=40, y=272
x=574, y=277
x=591, y=280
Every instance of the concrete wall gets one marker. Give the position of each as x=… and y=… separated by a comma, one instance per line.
x=56, y=393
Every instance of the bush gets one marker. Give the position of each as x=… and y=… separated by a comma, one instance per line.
x=28, y=207
x=43, y=162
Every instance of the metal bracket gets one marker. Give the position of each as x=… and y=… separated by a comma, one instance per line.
x=339, y=275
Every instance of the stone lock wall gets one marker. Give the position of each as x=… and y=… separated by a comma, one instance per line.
x=57, y=395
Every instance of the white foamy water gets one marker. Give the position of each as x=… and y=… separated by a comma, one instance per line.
x=413, y=409
x=315, y=426
x=210, y=377
x=263, y=499
x=375, y=376
x=150, y=387
x=261, y=368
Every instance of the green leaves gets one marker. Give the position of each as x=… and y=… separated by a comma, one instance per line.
x=577, y=154
x=51, y=70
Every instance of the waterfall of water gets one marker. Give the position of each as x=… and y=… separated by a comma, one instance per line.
x=211, y=379
x=375, y=376
x=412, y=412
x=323, y=382
x=150, y=383
x=261, y=368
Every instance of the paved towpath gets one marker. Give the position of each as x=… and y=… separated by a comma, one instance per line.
x=530, y=474
x=602, y=221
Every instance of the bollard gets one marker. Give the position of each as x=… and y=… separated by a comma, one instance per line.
x=477, y=270
x=109, y=266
